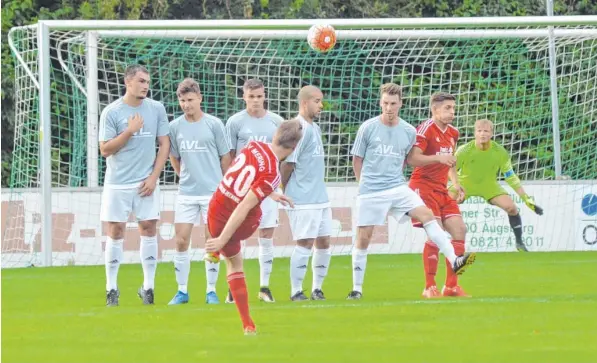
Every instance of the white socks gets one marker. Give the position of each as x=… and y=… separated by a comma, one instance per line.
x=298, y=268
x=320, y=266
x=440, y=238
x=211, y=272
x=182, y=267
x=113, y=258
x=359, y=264
x=149, y=260
x=266, y=260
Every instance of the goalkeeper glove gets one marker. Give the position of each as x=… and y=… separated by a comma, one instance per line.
x=532, y=206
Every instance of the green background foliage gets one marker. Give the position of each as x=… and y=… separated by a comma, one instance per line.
x=23, y=12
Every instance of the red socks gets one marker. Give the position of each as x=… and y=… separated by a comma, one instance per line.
x=430, y=260
x=238, y=288
x=451, y=277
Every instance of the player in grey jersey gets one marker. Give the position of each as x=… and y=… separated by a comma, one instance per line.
x=128, y=131
x=303, y=178
x=200, y=155
x=255, y=123
x=379, y=152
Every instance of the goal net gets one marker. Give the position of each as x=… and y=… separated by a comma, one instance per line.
x=498, y=74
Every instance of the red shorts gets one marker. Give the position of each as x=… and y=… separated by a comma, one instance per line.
x=436, y=199
x=245, y=231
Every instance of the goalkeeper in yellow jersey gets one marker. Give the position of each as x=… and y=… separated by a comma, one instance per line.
x=478, y=164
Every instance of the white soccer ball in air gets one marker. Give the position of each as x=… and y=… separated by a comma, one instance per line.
x=322, y=38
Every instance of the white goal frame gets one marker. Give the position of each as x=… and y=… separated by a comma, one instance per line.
x=443, y=28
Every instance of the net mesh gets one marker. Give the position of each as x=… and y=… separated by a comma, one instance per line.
x=504, y=79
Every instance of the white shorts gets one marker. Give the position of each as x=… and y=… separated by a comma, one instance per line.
x=372, y=209
x=189, y=211
x=269, y=214
x=117, y=205
x=310, y=223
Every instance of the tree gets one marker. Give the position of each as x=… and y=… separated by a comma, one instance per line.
x=24, y=12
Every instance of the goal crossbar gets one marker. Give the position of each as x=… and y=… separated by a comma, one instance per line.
x=413, y=23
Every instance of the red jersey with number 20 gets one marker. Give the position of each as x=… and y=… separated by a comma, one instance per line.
x=433, y=141
x=256, y=169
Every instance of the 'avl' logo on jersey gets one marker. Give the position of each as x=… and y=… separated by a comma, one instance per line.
x=387, y=150
x=140, y=133
x=317, y=150
x=258, y=138
x=191, y=146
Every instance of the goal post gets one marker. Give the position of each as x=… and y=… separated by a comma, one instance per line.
x=535, y=77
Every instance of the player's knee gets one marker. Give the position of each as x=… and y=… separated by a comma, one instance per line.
x=234, y=264
x=266, y=233
x=511, y=209
x=458, y=231
x=148, y=228
x=422, y=214
x=306, y=243
x=364, y=235
x=116, y=230
x=322, y=243
x=182, y=243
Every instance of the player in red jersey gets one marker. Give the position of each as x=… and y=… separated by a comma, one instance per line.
x=234, y=213
x=434, y=161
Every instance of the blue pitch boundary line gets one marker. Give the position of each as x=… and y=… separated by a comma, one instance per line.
x=132, y=310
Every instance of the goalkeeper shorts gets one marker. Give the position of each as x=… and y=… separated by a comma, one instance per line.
x=485, y=191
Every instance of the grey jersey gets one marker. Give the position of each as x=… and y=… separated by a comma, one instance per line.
x=134, y=161
x=243, y=128
x=307, y=182
x=199, y=146
x=384, y=150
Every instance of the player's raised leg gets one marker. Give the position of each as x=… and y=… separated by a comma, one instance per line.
x=234, y=213
x=458, y=263
x=506, y=203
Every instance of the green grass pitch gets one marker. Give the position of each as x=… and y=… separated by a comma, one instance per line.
x=535, y=307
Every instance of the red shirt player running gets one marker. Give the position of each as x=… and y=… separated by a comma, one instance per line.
x=234, y=211
x=433, y=158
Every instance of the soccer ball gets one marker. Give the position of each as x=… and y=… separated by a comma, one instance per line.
x=322, y=38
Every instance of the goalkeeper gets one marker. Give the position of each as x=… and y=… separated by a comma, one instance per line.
x=478, y=164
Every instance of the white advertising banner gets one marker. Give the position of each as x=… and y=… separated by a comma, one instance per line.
x=568, y=224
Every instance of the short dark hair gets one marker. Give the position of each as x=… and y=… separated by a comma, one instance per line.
x=440, y=97
x=188, y=85
x=253, y=83
x=133, y=69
